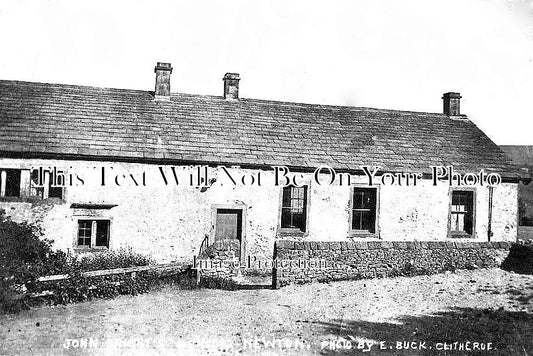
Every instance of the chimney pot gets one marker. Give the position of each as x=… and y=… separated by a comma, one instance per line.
x=452, y=104
x=162, y=80
x=231, y=86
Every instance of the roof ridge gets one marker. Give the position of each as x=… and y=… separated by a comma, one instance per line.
x=71, y=86
x=333, y=106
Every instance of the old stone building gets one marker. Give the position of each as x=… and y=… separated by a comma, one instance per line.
x=96, y=168
x=522, y=156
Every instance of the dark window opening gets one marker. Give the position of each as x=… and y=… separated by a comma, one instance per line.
x=12, y=182
x=462, y=212
x=93, y=233
x=102, y=233
x=39, y=191
x=294, y=208
x=55, y=192
x=525, y=203
x=364, y=209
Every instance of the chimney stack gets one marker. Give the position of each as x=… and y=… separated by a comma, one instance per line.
x=162, y=80
x=452, y=104
x=231, y=86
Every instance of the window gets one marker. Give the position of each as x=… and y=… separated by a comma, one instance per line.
x=41, y=178
x=93, y=233
x=462, y=212
x=55, y=192
x=364, y=210
x=85, y=232
x=35, y=189
x=294, y=208
x=9, y=182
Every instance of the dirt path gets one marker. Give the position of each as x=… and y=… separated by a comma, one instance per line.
x=485, y=306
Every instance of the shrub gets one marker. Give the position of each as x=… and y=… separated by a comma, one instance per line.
x=121, y=258
x=24, y=256
x=449, y=266
x=520, y=258
x=79, y=289
x=216, y=282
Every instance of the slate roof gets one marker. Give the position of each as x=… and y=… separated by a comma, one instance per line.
x=66, y=121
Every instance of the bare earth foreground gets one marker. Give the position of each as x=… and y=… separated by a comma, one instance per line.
x=460, y=313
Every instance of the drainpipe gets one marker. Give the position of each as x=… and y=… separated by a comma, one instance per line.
x=489, y=226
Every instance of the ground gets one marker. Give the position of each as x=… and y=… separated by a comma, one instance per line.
x=492, y=308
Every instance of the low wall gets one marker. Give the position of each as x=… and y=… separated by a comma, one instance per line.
x=218, y=263
x=303, y=262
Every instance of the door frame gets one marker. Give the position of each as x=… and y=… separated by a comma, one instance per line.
x=237, y=206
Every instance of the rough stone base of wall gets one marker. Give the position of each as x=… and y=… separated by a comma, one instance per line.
x=226, y=271
x=304, y=262
x=218, y=264
x=218, y=282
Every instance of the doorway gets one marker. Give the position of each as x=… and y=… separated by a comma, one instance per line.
x=229, y=227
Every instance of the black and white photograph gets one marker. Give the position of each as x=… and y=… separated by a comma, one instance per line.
x=284, y=177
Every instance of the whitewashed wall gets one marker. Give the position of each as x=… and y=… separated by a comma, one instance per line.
x=170, y=223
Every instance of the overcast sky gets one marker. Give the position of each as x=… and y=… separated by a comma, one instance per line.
x=386, y=54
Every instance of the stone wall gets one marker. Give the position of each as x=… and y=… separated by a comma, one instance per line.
x=303, y=262
x=219, y=259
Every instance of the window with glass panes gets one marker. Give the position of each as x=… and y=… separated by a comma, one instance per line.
x=294, y=208
x=93, y=233
x=84, y=232
x=364, y=209
x=462, y=212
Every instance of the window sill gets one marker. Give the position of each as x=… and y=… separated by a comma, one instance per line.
x=292, y=232
x=90, y=249
x=356, y=234
x=460, y=235
x=30, y=200
x=12, y=199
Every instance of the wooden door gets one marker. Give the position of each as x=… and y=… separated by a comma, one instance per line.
x=228, y=224
x=229, y=228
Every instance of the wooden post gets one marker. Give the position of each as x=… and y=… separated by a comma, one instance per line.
x=46, y=189
x=25, y=183
x=3, y=178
